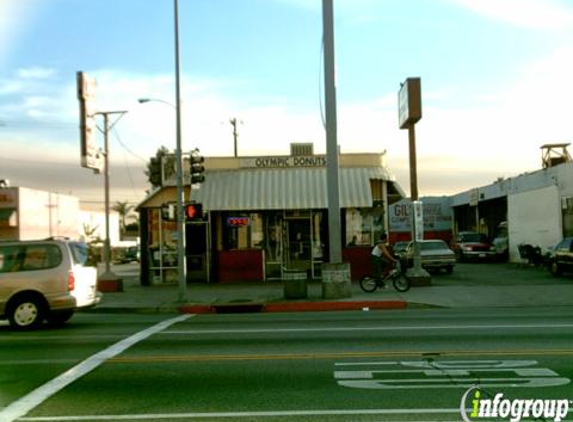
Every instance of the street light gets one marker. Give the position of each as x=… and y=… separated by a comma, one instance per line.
x=181, y=266
x=147, y=100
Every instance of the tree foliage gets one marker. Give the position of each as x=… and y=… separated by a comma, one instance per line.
x=161, y=152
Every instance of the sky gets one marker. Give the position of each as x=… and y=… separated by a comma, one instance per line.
x=496, y=84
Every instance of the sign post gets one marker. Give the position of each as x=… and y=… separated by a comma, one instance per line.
x=409, y=113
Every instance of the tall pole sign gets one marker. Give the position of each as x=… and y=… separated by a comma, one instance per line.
x=409, y=113
x=91, y=155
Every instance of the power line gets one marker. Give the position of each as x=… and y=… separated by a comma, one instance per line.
x=127, y=148
x=116, y=134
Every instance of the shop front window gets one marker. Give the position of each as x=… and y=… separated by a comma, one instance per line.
x=364, y=226
x=162, y=248
x=243, y=231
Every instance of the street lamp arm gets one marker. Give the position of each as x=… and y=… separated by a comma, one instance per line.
x=147, y=100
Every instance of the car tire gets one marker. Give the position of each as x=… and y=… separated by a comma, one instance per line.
x=60, y=317
x=555, y=269
x=450, y=269
x=26, y=313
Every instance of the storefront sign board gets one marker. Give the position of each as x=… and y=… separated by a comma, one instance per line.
x=284, y=162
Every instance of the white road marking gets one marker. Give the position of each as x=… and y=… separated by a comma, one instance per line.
x=451, y=374
x=52, y=338
x=380, y=328
x=36, y=362
x=237, y=415
x=23, y=405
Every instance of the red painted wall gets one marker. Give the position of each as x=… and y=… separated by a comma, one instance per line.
x=446, y=236
x=359, y=259
x=240, y=265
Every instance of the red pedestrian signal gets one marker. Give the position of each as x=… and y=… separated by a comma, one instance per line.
x=194, y=212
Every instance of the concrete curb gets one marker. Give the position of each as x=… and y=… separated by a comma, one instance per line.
x=292, y=307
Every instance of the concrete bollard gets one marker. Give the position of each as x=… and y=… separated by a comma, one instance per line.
x=336, y=281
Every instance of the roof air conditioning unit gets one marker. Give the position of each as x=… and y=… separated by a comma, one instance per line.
x=301, y=149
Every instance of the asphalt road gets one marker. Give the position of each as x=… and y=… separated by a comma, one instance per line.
x=411, y=365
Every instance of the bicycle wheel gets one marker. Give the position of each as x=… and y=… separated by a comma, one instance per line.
x=368, y=284
x=402, y=282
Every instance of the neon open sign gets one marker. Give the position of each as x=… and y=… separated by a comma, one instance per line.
x=238, y=221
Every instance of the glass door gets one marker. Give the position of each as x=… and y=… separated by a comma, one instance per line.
x=297, y=234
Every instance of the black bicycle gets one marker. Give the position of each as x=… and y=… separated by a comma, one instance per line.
x=397, y=277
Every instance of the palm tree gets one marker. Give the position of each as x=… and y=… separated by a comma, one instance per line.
x=123, y=209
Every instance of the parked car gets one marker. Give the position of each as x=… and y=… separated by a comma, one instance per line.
x=434, y=255
x=561, y=258
x=501, y=242
x=399, y=248
x=473, y=246
x=44, y=280
x=130, y=254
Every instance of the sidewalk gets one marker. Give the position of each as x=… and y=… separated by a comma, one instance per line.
x=269, y=297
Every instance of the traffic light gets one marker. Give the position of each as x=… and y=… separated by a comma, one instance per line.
x=169, y=212
x=197, y=168
x=155, y=171
x=194, y=212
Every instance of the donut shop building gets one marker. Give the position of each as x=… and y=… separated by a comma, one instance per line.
x=262, y=216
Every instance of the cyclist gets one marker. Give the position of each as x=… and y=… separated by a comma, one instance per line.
x=382, y=259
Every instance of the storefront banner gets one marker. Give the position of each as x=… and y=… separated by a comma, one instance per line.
x=437, y=213
x=284, y=162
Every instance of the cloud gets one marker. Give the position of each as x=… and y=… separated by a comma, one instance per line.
x=459, y=146
x=533, y=14
x=36, y=73
x=15, y=17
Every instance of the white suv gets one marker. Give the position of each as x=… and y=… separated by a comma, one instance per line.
x=44, y=279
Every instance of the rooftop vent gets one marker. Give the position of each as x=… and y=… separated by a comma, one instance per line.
x=298, y=149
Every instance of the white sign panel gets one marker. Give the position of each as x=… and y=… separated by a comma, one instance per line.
x=91, y=156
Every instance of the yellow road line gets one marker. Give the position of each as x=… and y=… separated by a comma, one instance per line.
x=339, y=355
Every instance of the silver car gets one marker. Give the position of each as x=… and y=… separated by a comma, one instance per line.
x=44, y=280
x=435, y=254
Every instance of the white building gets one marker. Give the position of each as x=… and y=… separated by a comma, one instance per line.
x=32, y=214
x=537, y=206
x=27, y=214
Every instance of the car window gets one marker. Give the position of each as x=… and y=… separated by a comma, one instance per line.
x=29, y=257
x=432, y=246
x=473, y=237
x=11, y=258
x=79, y=252
x=563, y=245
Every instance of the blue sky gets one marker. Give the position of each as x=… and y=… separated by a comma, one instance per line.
x=496, y=83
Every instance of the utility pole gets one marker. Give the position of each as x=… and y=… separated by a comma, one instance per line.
x=336, y=281
x=234, y=122
x=108, y=275
x=332, y=176
x=181, y=261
